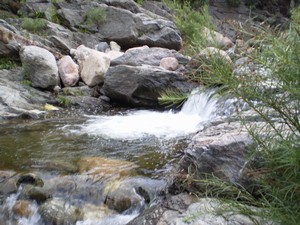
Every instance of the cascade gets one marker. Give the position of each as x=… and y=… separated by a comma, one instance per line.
x=199, y=107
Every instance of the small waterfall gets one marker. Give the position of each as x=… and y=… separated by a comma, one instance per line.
x=200, y=107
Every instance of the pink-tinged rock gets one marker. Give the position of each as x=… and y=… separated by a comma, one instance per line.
x=217, y=40
x=68, y=71
x=169, y=63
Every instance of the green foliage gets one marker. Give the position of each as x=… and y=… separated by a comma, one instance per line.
x=95, y=16
x=7, y=64
x=27, y=82
x=274, y=95
x=191, y=22
x=172, y=97
x=37, y=25
x=140, y=2
x=64, y=101
x=5, y=14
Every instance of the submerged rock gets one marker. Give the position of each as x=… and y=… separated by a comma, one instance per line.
x=100, y=168
x=59, y=212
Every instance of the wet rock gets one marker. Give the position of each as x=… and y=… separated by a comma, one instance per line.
x=38, y=194
x=130, y=193
x=148, y=56
x=141, y=85
x=120, y=197
x=40, y=67
x=169, y=63
x=94, y=68
x=8, y=183
x=68, y=71
x=59, y=212
x=22, y=208
x=30, y=178
x=99, y=168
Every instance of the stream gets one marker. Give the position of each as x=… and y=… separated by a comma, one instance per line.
x=80, y=160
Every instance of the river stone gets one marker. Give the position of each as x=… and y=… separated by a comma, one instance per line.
x=114, y=46
x=59, y=212
x=38, y=194
x=22, y=208
x=169, y=63
x=100, y=167
x=94, y=68
x=39, y=66
x=30, y=178
x=141, y=85
x=121, y=197
x=68, y=71
x=148, y=56
x=102, y=47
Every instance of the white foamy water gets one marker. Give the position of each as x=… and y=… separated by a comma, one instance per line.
x=200, y=107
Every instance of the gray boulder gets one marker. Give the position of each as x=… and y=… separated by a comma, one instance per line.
x=220, y=150
x=124, y=23
x=18, y=100
x=39, y=66
x=141, y=85
x=150, y=56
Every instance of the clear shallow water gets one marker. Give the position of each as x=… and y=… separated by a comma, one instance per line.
x=149, y=139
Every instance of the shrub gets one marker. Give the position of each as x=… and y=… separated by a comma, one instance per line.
x=95, y=16
x=191, y=23
x=7, y=64
x=37, y=25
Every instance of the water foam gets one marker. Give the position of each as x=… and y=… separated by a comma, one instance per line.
x=200, y=107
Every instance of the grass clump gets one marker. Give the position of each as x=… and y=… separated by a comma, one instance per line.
x=273, y=93
x=64, y=101
x=37, y=25
x=191, y=22
x=95, y=16
x=7, y=63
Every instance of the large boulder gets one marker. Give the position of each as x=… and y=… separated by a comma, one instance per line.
x=141, y=85
x=125, y=23
x=39, y=66
x=94, y=68
x=149, y=56
x=18, y=100
x=220, y=150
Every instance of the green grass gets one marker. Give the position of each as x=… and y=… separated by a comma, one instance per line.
x=64, y=101
x=190, y=23
x=95, y=16
x=7, y=63
x=37, y=25
x=275, y=98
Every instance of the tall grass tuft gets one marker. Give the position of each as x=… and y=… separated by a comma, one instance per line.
x=274, y=95
x=34, y=25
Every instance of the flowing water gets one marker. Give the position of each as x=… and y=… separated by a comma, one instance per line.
x=143, y=141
